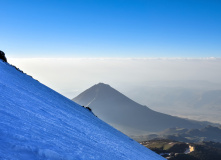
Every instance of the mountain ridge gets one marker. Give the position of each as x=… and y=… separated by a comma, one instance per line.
x=118, y=110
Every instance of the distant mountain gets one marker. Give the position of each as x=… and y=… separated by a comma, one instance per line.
x=208, y=133
x=126, y=115
x=196, y=100
x=37, y=123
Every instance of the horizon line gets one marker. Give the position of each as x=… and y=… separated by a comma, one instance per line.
x=122, y=58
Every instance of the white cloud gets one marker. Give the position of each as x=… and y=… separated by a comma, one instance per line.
x=71, y=76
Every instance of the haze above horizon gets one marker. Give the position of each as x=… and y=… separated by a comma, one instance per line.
x=112, y=28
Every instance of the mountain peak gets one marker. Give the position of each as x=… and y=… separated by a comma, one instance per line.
x=125, y=114
x=101, y=91
x=102, y=85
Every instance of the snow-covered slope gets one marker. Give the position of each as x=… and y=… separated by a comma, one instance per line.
x=38, y=123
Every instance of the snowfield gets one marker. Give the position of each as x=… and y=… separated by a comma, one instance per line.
x=38, y=123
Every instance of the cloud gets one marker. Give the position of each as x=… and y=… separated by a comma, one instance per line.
x=70, y=76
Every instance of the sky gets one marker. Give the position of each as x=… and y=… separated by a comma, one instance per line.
x=110, y=28
x=70, y=45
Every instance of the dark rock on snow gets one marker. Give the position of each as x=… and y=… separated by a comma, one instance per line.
x=2, y=56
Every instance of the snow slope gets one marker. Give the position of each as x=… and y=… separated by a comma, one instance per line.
x=38, y=123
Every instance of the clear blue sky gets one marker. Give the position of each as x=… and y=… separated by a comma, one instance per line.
x=110, y=28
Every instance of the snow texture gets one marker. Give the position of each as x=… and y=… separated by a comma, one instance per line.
x=38, y=123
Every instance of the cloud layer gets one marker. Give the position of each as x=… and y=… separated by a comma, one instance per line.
x=71, y=76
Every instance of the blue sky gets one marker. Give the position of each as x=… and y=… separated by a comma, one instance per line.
x=110, y=28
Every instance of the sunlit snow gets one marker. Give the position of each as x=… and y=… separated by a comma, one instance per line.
x=38, y=123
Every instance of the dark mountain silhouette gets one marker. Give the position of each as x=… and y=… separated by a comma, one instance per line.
x=2, y=56
x=126, y=115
